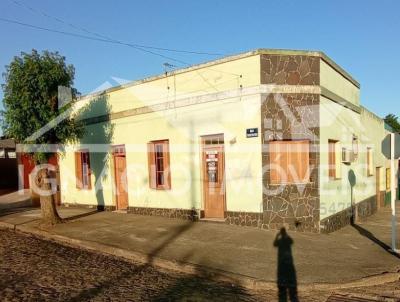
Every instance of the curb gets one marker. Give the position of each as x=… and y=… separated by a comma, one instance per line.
x=194, y=269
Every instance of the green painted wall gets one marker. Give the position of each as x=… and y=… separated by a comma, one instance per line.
x=340, y=123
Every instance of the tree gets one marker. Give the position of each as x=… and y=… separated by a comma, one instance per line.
x=32, y=81
x=392, y=121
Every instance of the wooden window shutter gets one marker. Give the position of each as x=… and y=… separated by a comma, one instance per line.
x=278, y=161
x=151, y=166
x=300, y=161
x=332, y=159
x=167, y=167
x=388, y=179
x=294, y=162
x=284, y=176
x=89, y=171
x=290, y=162
x=338, y=160
x=273, y=162
x=370, y=162
x=78, y=170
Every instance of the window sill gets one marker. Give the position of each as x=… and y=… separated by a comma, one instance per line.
x=161, y=189
x=292, y=183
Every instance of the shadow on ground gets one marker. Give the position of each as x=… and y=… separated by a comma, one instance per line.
x=370, y=236
x=286, y=273
x=6, y=212
x=199, y=286
x=75, y=217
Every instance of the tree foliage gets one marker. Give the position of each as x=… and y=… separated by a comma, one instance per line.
x=392, y=121
x=31, y=100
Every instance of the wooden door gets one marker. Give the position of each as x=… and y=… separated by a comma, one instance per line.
x=213, y=177
x=28, y=165
x=121, y=183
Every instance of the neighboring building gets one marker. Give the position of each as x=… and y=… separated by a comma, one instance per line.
x=26, y=169
x=265, y=138
x=8, y=165
x=16, y=169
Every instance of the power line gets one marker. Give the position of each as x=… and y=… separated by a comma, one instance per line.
x=101, y=36
x=105, y=41
x=90, y=38
x=135, y=46
x=113, y=42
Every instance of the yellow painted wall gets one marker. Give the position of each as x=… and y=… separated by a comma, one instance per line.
x=373, y=132
x=183, y=127
x=335, y=82
x=212, y=79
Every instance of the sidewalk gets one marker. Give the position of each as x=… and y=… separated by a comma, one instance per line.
x=10, y=200
x=347, y=255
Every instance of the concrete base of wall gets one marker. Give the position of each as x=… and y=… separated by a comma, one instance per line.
x=85, y=206
x=359, y=212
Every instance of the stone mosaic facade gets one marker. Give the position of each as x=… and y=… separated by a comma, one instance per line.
x=339, y=220
x=169, y=213
x=289, y=70
x=367, y=208
x=336, y=221
x=243, y=218
x=291, y=117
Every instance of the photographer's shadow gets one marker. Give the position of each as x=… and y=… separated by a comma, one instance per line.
x=286, y=274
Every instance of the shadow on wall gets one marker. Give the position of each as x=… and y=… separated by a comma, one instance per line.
x=98, y=139
x=286, y=274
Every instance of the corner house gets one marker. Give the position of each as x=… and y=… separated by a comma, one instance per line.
x=265, y=138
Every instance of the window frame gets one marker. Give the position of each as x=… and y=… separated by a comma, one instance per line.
x=388, y=179
x=370, y=162
x=334, y=159
x=79, y=170
x=11, y=153
x=159, y=164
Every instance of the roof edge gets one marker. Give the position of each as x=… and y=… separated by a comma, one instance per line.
x=230, y=58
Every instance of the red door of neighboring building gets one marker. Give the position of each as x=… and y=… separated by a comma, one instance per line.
x=28, y=165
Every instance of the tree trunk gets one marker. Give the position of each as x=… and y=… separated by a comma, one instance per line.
x=47, y=202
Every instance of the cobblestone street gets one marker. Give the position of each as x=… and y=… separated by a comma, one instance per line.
x=35, y=270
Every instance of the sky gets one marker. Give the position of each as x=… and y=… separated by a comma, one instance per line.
x=361, y=36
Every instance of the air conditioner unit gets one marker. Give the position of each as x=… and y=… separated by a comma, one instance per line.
x=346, y=156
